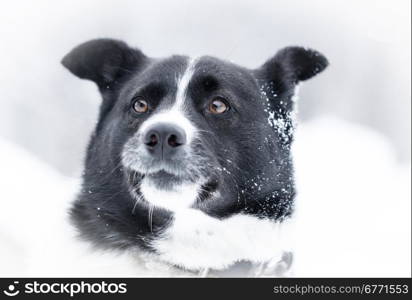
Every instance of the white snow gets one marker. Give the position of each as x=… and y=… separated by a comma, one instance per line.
x=354, y=203
x=353, y=212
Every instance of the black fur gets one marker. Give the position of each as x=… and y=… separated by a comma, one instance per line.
x=244, y=153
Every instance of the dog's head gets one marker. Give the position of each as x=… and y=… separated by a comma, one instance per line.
x=193, y=132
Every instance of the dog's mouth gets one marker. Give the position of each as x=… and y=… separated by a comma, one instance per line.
x=166, y=181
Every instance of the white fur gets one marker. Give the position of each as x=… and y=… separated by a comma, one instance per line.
x=197, y=241
x=184, y=83
x=180, y=197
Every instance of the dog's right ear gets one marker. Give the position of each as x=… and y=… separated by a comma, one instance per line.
x=104, y=61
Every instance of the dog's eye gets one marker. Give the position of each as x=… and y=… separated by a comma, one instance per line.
x=218, y=106
x=140, y=106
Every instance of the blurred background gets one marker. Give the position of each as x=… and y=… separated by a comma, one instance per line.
x=49, y=114
x=48, y=111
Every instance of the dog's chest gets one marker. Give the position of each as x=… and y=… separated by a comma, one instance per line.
x=197, y=241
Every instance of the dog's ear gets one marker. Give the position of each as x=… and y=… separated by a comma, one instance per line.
x=103, y=61
x=293, y=64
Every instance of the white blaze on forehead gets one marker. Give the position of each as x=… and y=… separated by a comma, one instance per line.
x=183, y=83
x=176, y=114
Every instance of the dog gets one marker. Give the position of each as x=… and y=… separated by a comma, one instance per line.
x=190, y=161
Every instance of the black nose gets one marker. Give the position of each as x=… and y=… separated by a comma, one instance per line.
x=164, y=140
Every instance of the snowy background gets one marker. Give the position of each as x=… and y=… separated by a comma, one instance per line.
x=352, y=148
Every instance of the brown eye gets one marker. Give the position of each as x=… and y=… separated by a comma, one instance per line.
x=140, y=106
x=218, y=106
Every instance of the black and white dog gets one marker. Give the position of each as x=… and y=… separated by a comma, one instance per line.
x=190, y=159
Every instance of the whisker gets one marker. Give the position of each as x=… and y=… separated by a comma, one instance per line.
x=151, y=209
x=138, y=198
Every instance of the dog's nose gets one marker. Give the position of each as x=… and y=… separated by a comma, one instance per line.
x=164, y=140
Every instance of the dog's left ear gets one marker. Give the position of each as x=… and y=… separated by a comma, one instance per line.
x=103, y=61
x=291, y=65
